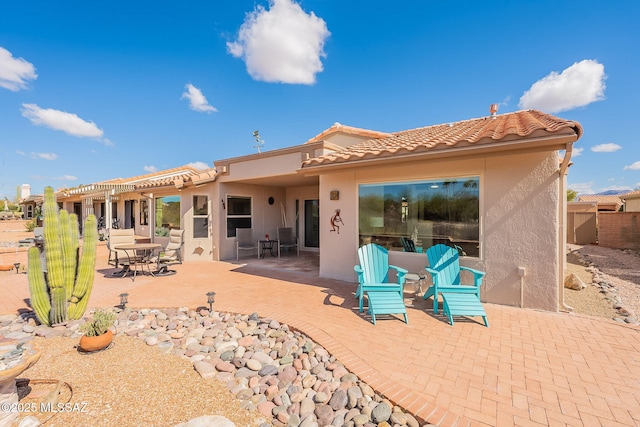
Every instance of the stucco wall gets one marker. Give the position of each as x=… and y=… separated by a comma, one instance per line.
x=518, y=222
x=632, y=205
x=267, y=166
x=521, y=230
x=338, y=251
x=265, y=217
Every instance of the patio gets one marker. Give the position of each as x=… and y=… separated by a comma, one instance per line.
x=530, y=368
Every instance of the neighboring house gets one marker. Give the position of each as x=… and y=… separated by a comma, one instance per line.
x=631, y=201
x=606, y=203
x=492, y=186
x=150, y=204
x=31, y=206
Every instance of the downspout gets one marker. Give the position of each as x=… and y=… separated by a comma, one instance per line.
x=562, y=235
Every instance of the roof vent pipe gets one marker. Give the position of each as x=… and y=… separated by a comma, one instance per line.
x=493, y=109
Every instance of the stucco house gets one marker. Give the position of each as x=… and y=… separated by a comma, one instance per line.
x=492, y=186
x=631, y=201
x=605, y=202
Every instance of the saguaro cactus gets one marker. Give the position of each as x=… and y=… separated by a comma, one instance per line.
x=61, y=287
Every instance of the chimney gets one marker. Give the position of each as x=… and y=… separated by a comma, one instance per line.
x=25, y=191
x=493, y=109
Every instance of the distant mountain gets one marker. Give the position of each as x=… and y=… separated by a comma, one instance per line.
x=613, y=192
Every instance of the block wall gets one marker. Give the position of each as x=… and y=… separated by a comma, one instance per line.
x=619, y=230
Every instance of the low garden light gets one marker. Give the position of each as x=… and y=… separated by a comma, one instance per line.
x=211, y=299
x=17, y=266
x=124, y=299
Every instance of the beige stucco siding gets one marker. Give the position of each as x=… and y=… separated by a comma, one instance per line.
x=518, y=222
x=266, y=166
x=265, y=217
x=521, y=230
x=632, y=205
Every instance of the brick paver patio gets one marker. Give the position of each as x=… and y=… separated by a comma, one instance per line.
x=529, y=368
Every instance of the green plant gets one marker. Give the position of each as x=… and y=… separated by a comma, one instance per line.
x=99, y=324
x=30, y=225
x=63, y=292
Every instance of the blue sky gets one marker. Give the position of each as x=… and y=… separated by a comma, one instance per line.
x=91, y=91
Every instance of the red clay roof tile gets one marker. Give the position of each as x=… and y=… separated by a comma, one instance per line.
x=499, y=128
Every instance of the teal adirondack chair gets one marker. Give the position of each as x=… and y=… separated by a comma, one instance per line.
x=383, y=297
x=458, y=299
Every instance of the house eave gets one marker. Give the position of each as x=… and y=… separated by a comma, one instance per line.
x=545, y=143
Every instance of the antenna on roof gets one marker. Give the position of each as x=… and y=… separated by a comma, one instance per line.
x=493, y=109
x=259, y=141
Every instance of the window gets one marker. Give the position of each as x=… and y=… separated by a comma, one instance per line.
x=144, y=212
x=238, y=214
x=200, y=217
x=167, y=214
x=429, y=212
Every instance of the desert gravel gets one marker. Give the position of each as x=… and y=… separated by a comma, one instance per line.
x=130, y=384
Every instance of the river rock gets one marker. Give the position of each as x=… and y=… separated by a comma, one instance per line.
x=381, y=413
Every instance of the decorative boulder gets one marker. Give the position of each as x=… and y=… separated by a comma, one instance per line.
x=572, y=281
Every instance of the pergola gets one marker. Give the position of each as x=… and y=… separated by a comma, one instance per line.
x=107, y=192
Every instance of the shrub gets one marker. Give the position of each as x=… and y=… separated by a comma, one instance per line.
x=101, y=322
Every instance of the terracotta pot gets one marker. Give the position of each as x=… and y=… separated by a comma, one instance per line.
x=96, y=343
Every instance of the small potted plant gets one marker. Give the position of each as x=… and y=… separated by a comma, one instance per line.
x=96, y=334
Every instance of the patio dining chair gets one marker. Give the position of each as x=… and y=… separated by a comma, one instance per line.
x=171, y=254
x=408, y=245
x=245, y=241
x=286, y=240
x=117, y=237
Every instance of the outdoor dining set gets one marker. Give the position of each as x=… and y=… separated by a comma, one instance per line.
x=131, y=253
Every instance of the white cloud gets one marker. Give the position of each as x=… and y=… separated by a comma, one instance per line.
x=577, y=86
x=283, y=44
x=606, y=148
x=582, y=187
x=60, y=120
x=199, y=165
x=633, y=166
x=197, y=100
x=15, y=72
x=150, y=168
x=46, y=156
x=21, y=153
x=577, y=151
x=65, y=178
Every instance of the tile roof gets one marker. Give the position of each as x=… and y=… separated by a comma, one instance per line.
x=177, y=177
x=499, y=128
x=163, y=178
x=603, y=200
x=632, y=195
x=350, y=130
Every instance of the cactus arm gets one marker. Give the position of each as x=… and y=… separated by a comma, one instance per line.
x=53, y=252
x=69, y=252
x=86, y=269
x=75, y=238
x=38, y=287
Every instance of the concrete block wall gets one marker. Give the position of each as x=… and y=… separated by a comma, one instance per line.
x=619, y=230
